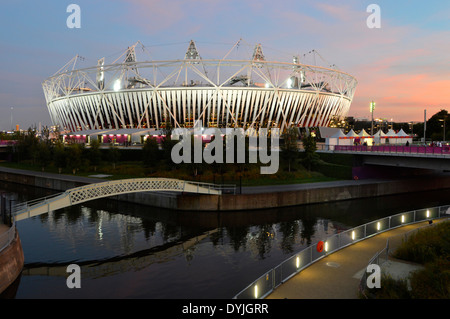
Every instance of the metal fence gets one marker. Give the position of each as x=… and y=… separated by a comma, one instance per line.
x=397, y=149
x=270, y=280
x=7, y=237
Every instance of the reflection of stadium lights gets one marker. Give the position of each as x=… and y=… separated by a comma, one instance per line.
x=117, y=85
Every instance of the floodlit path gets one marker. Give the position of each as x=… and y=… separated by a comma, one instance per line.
x=337, y=275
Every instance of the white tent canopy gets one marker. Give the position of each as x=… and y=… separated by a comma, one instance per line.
x=379, y=137
x=337, y=139
x=366, y=137
x=352, y=133
x=404, y=138
x=391, y=137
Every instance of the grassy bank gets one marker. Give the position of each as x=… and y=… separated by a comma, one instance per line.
x=431, y=248
x=250, y=176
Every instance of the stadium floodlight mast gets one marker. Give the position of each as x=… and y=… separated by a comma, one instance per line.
x=251, y=92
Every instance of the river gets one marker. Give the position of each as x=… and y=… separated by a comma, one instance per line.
x=132, y=251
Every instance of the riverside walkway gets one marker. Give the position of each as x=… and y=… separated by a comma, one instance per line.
x=337, y=276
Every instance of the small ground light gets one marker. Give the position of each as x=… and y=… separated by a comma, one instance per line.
x=353, y=235
x=428, y=213
x=378, y=226
x=256, y=291
x=403, y=218
x=297, y=261
x=326, y=246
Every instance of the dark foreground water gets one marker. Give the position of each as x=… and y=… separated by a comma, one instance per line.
x=133, y=251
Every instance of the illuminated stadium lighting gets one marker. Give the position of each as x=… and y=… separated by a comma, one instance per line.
x=251, y=92
x=117, y=85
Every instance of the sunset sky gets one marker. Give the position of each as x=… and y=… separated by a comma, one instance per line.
x=404, y=66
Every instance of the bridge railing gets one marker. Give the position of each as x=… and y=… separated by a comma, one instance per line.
x=269, y=281
x=224, y=188
x=402, y=149
x=7, y=237
x=181, y=185
x=25, y=205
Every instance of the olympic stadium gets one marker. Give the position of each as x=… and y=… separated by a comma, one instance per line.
x=134, y=95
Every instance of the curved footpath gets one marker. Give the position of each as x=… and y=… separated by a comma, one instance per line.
x=337, y=275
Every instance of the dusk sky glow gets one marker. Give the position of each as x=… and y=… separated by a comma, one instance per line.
x=403, y=66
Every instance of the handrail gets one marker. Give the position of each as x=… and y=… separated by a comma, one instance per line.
x=375, y=260
x=23, y=205
x=7, y=237
x=421, y=150
x=116, y=187
x=267, y=282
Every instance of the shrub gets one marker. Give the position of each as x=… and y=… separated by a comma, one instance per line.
x=426, y=245
x=433, y=282
x=390, y=289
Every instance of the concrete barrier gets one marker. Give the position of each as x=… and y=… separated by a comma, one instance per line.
x=11, y=263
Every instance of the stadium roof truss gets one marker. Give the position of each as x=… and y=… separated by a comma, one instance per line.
x=249, y=93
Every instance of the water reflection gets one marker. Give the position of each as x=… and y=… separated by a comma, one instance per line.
x=158, y=253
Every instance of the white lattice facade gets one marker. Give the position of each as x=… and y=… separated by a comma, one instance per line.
x=222, y=93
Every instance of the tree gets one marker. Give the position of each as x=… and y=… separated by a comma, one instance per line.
x=74, y=157
x=114, y=155
x=310, y=156
x=435, y=125
x=95, y=156
x=290, y=146
x=27, y=145
x=167, y=144
x=43, y=155
x=150, y=152
x=59, y=156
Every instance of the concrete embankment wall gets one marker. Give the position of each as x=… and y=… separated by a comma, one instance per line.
x=11, y=263
x=318, y=193
x=313, y=195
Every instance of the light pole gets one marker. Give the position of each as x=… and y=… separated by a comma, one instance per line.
x=11, y=119
x=425, y=126
x=443, y=120
x=372, y=108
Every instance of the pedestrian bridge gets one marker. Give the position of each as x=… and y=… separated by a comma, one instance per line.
x=421, y=157
x=94, y=191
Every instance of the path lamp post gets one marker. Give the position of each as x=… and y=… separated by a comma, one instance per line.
x=372, y=108
x=12, y=118
x=443, y=120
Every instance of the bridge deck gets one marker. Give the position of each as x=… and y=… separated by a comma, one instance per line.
x=111, y=188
